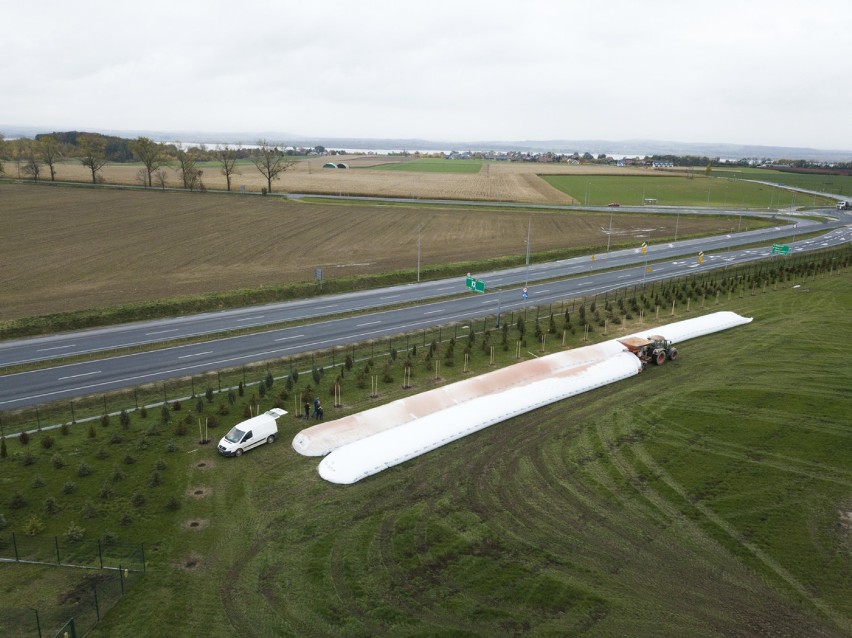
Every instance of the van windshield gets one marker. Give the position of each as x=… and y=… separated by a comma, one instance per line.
x=235, y=435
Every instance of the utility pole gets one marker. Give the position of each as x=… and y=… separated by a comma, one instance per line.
x=418, y=252
x=609, y=234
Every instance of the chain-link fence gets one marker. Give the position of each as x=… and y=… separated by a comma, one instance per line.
x=76, y=611
x=60, y=550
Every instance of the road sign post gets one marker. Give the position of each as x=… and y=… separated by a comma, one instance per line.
x=474, y=284
x=780, y=249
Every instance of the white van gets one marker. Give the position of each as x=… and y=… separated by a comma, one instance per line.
x=251, y=433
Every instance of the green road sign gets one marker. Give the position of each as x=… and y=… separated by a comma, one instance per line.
x=474, y=284
x=780, y=249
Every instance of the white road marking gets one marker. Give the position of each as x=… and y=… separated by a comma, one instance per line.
x=159, y=332
x=57, y=348
x=369, y=323
x=287, y=338
x=251, y=318
x=84, y=374
x=197, y=354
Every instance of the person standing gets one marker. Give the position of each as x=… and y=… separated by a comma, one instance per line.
x=307, y=409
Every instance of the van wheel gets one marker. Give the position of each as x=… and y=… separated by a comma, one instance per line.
x=271, y=438
x=239, y=452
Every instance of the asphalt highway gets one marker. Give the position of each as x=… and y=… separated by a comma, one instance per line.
x=608, y=271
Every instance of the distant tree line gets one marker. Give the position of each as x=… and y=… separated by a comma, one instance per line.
x=38, y=158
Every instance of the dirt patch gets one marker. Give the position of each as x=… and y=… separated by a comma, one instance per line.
x=201, y=491
x=195, y=524
x=83, y=589
x=192, y=562
x=205, y=465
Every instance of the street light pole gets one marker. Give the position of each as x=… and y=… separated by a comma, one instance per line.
x=527, y=273
x=419, y=228
x=609, y=234
x=677, y=223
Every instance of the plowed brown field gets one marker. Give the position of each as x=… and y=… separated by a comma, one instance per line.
x=68, y=248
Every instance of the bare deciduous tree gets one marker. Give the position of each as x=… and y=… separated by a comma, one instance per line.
x=92, y=154
x=227, y=157
x=50, y=151
x=2, y=153
x=269, y=160
x=160, y=176
x=32, y=168
x=150, y=153
x=189, y=171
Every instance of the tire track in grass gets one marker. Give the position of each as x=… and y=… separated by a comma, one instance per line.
x=744, y=454
x=717, y=554
x=839, y=620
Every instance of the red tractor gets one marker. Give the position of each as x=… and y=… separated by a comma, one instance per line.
x=654, y=349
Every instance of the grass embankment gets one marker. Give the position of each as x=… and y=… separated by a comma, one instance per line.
x=707, y=497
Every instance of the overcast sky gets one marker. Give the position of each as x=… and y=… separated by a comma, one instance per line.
x=769, y=72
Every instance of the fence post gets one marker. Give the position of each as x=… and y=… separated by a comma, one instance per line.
x=142, y=549
x=121, y=578
x=15, y=546
x=97, y=608
x=56, y=544
x=100, y=554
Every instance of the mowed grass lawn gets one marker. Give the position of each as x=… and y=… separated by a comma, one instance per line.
x=708, y=497
x=68, y=248
x=699, y=191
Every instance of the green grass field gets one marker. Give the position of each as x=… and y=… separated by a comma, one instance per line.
x=719, y=192
x=432, y=165
x=839, y=184
x=707, y=497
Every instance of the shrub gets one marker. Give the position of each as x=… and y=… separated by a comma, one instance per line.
x=172, y=504
x=74, y=533
x=17, y=501
x=208, y=394
x=160, y=464
x=116, y=438
x=51, y=507
x=27, y=459
x=143, y=412
x=153, y=431
x=47, y=441
x=92, y=433
x=34, y=526
x=106, y=491
x=24, y=438
x=101, y=454
x=223, y=409
x=89, y=510
x=240, y=389
x=232, y=397
x=117, y=476
x=104, y=420
x=181, y=429
x=165, y=417
x=126, y=520
x=109, y=539
x=38, y=482
x=124, y=419
x=199, y=406
x=64, y=429
x=69, y=487
x=58, y=461
x=3, y=451
x=142, y=445
x=129, y=460
x=171, y=447
x=155, y=479
x=261, y=388
x=84, y=469
x=176, y=406
x=138, y=499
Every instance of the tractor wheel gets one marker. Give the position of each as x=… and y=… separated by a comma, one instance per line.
x=660, y=357
x=672, y=354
